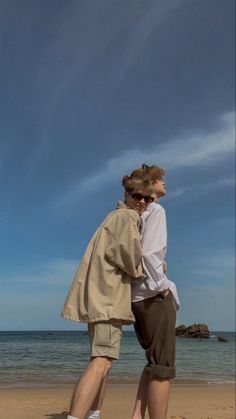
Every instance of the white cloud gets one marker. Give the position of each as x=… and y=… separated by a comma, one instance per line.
x=41, y=309
x=57, y=272
x=201, y=188
x=140, y=35
x=187, y=151
x=216, y=266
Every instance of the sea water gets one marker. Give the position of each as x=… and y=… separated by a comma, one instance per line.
x=57, y=358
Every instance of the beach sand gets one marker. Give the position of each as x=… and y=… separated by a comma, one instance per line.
x=186, y=402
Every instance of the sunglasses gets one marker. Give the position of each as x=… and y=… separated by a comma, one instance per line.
x=138, y=197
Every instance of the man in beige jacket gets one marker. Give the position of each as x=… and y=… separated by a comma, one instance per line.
x=100, y=294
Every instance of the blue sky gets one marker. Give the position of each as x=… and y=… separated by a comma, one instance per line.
x=89, y=91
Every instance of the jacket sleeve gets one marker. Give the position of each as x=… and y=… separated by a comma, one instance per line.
x=124, y=250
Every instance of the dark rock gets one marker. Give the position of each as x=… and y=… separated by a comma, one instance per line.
x=193, y=331
x=180, y=330
x=222, y=339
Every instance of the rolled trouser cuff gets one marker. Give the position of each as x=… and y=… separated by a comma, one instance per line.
x=159, y=371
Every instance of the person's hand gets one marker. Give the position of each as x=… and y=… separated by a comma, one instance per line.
x=165, y=293
x=164, y=266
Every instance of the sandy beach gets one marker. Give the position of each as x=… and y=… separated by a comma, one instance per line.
x=186, y=402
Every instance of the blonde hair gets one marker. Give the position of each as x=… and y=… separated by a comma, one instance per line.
x=154, y=172
x=141, y=181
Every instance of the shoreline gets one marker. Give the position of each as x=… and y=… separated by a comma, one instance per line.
x=112, y=382
x=186, y=402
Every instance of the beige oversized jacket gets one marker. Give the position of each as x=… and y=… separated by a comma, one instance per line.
x=101, y=288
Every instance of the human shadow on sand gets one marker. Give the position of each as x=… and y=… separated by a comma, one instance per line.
x=62, y=415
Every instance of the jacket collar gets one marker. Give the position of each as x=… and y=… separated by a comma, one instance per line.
x=121, y=204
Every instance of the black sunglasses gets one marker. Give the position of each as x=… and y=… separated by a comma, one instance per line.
x=138, y=197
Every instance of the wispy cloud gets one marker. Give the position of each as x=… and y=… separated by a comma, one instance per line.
x=218, y=266
x=139, y=36
x=201, y=188
x=188, y=151
x=56, y=272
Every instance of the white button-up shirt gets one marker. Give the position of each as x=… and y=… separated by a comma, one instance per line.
x=154, y=246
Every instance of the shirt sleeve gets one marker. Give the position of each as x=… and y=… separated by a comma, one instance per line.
x=154, y=241
x=125, y=248
x=154, y=244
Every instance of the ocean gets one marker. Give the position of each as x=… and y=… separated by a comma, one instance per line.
x=56, y=359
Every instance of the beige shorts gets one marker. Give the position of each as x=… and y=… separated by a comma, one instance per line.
x=105, y=338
